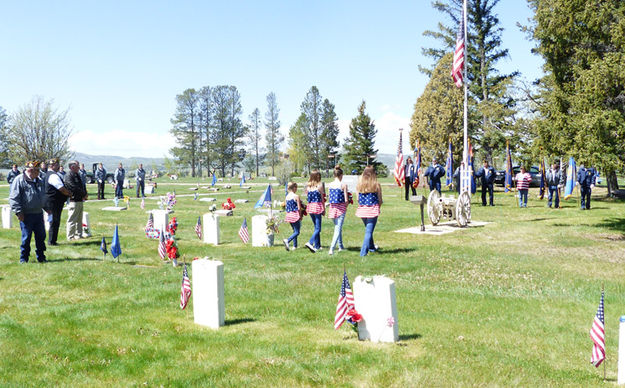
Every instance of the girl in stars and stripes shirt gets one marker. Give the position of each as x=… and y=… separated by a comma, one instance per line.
x=369, y=201
x=338, y=206
x=293, y=207
x=315, y=194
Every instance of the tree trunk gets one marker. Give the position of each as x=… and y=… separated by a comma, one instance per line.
x=612, y=182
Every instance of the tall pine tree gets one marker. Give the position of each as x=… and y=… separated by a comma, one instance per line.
x=359, y=146
x=329, y=133
x=185, y=129
x=273, y=136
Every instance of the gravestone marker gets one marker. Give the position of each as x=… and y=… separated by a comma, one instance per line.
x=210, y=228
x=208, y=293
x=7, y=217
x=374, y=299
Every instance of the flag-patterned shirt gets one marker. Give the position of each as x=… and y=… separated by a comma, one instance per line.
x=368, y=205
x=523, y=181
x=338, y=205
x=292, y=214
x=315, y=206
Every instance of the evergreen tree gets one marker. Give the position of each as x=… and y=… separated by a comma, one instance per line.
x=299, y=146
x=359, y=147
x=221, y=127
x=273, y=137
x=206, y=126
x=5, y=162
x=329, y=133
x=237, y=131
x=312, y=108
x=185, y=129
x=255, y=137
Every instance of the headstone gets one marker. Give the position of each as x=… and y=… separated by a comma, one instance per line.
x=224, y=212
x=208, y=293
x=126, y=183
x=114, y=208
x=210, y=229
x=621, y=351
x=265, y=210
x=7, y=217
x=149, y=189
x=351, y=181
x=273, y=178
x=374, y=299
x=161, y=219
x=208, y=199
x=86, y=226
x=241, y=201
x=259, y=231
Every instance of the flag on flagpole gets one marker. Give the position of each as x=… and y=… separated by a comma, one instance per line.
x=508, y=179
x=103, y=246
x=116, y=248
x=418, y=157
x=198, y=227
x=571, y=178
x=541, y=192
x=142, y=203
x=265, y=198
x=345, y=303
x=398, y=173
x=243, y=232
x=458, y=65
x=214, y=180
x=162, y=247
x=597, y=334
x=449, y=165
x=185, y=289
x=470, y=172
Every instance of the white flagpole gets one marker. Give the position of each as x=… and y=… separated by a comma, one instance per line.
x=465, y=151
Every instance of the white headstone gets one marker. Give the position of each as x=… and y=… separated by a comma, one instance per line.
x=210, y=229
x=161, y=219
x=7, y=217
x=208, y=293
x=149, y=189
x=224, y=212
x=208, y=199
x=350, y=181
x=374, y=299
x=114, y=208
x=86, y=232
x=621, y=351
x=241, y=201
x=259, y=231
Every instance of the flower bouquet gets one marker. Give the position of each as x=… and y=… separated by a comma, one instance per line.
x=272, y=224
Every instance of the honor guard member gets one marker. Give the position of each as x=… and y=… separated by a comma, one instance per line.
x=140, y=178
x=409, y=176
x=12, y=174
x=100, y=179
x=56, y=195
x=487, y=178
x=553, y=177
x=586, y=179
x=434, y=173
x=119, y=176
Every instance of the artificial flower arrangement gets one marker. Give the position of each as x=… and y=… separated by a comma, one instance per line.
x=228, y=205
x=127, y=201
x=350, y=198
x=172, y=249
x=173, y=226
x=272, y=224
x=168, y=201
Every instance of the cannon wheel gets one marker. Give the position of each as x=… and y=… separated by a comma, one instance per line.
x=463, y=209
x=434, y=207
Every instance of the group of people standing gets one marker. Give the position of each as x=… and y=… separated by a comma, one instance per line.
x=369, y=202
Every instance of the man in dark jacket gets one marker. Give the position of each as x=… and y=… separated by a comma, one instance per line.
x=553, y=178
x=487, y=178
x=434, y=173
x=587, y=179
x=73, y=183
x=27, y=198
x=13, y=174
x=120, y=175
x=140, y=178
x=100, y=179
x=56, y=195
x=409, y=177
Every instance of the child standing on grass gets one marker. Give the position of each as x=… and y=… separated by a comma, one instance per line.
x=369, y=202
x=293, y=207
x=523, y=180
x=338, y=206
x=316, y=208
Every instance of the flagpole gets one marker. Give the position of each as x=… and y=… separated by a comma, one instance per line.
x=606, y=355
x=466, y=114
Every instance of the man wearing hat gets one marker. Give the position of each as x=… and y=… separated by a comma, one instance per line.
x=56, y=195
x=27, y=198
x=434, y=173
x=78, y=194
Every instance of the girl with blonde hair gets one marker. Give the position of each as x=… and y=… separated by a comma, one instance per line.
x=293, y=207
x=369, y=202
x=315, y=192
x=337, y=191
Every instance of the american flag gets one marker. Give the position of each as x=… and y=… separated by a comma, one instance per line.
x=449, y=165
x=597, y=334
x=162, y=249
x=345, y=304
x=243, y=233
x=185, y=290
x=198, y=228
x=458, y=65
x=150, y=223
x=399, y=163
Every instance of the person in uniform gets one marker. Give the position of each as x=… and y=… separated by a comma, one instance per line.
x=586, y=179
x=409, y=176
x=140, y=178
x=119, y=176
x=56, y=195
x=434, y=173
x=100, y=178
x=487, y=179
x=553, y=178
x=83, y=175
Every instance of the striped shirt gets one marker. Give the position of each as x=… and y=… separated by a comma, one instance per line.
x=338, y=206
x=523, y=181
x=315, y=206
x=368, y=205
x=292, y=214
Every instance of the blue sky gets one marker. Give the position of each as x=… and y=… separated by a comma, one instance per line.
x=118, y=65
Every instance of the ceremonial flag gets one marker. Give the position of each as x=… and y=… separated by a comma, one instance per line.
x=458, y=65
x=142, y=203
x=473, y=184
x=103, y=246
x=508, y=179
x=265, y=198
x=345, y=303
x=242, y=180
x=214, y=180
x=116, y=248
x=198, y=228
x=449, y=165
x=541, y=193
x=597, y=334
x=162, y=247
x=243, y=232
x=418, y=157
x=185, y=290
x=399, y=164
x=571, y=178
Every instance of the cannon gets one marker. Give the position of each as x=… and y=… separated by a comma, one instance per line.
x=450, y=208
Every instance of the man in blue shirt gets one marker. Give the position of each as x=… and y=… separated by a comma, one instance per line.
x=587, y=179
x=140, y=178
x=435, y=172
x=487, y=177
x=119, y=176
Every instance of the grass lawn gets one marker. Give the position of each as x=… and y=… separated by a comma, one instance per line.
x=507, y=304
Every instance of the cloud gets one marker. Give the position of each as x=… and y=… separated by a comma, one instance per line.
x=122, y=143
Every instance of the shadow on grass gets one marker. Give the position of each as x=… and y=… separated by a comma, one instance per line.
x=73, y=259
x=382, y=251
x=408, y=337
x=84, y=242
x=614, y=224
x=229, y=322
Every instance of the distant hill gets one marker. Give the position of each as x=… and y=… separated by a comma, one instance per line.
x=111, y=162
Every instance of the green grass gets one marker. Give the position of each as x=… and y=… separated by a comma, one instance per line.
x=506, y=304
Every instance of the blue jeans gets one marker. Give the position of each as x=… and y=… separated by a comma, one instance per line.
x=338, y=232
x=553, y=190
x=436, y=186
x=315, y=239
x=33, y=223
x=367, y=244
x=119, y=190
x=293, y=237
x=523, y=197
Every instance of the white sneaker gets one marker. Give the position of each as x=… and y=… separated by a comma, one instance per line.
x=330, y=252
x=310, y=247
x=286, y=244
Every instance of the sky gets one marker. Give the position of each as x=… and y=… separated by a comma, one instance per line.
x=118, y=65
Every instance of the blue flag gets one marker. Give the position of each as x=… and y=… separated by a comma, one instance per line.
x=508, y=179
x=449, y=166
x=214, y=180
x=286, y=189
x=116, y=248
x=265, y=198
x=103, y=247
x=571, y=178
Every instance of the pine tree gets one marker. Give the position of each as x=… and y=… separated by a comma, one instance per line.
x=255, y=137
x=329, y=133
x=359, y=147
x=312, y=108
x=185, y=129
x=273, y=137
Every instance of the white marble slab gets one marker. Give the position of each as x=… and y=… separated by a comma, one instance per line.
x=374, y=299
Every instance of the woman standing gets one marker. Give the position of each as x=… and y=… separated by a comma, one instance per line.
x=338, y=206
x=293, y=207
x=316, y=208
x=369, y=202
x=523, y=180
